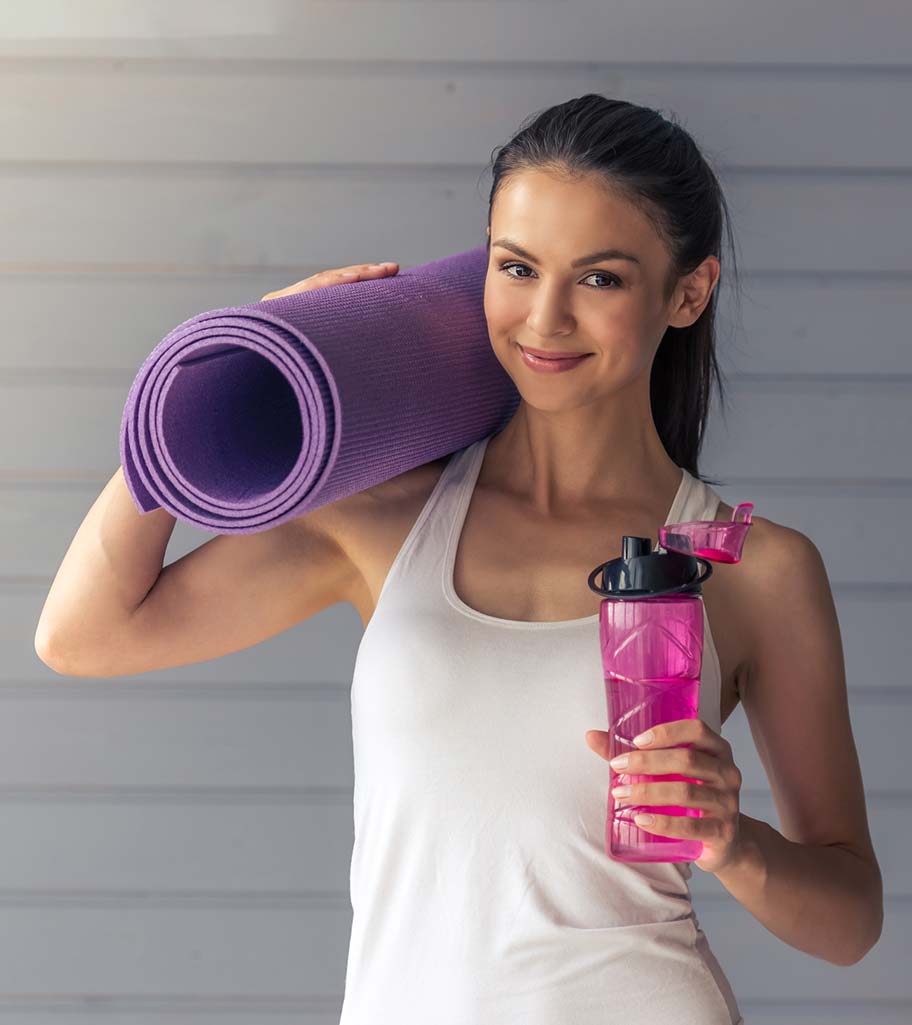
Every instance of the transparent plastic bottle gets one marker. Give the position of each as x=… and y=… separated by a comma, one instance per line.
x=651, y=638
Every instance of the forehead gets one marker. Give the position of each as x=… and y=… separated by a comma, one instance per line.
x=546, y=213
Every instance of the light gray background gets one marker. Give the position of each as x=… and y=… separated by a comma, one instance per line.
x=176, y=845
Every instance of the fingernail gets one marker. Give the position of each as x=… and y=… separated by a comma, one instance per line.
x=389, y=263
x=644, y=738
x=621, y=791
x=645, y=818
x=349, y=274
x=619, y=762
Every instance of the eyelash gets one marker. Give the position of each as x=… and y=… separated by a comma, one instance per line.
x=504, y=267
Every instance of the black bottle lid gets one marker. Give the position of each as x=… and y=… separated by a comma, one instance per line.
x=643, y=573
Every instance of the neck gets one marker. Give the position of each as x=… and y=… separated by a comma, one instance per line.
x=580, y=459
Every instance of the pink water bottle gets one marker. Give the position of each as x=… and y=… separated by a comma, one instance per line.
x=651, y=636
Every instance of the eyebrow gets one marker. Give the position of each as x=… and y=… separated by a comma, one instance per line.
x=604, y=254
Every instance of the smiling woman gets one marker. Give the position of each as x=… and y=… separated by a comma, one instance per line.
x=478, y=675
x=480, y=884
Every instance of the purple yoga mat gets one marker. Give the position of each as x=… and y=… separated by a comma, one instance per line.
x=244, y=417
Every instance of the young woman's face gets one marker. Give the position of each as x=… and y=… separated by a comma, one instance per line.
x=609, y=307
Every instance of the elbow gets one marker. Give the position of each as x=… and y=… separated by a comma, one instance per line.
x=65, y=663
x=871, y=933
x=46, y=652
x=872, y=940
x=846, y=963
x=43, y=645
x=51, y=653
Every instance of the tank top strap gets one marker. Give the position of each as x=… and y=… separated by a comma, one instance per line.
x=702, y=500
x=439, y=511
x=421, y=555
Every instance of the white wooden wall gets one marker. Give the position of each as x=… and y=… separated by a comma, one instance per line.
x=176, y=845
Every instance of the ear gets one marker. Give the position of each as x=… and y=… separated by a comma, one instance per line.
x=698, y=288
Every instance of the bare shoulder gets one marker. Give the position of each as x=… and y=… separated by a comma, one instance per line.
x=405, y=486
x=369, y=526
x=772, y=550
x=781, y=573
x=357, y=510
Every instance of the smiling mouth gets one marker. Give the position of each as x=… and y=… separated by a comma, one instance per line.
x=553, y=356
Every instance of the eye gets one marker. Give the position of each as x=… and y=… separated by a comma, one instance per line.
x=506, y=267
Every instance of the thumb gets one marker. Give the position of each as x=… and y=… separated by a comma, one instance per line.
x=597, y=740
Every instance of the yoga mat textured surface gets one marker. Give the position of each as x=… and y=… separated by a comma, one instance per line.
x=247, y=416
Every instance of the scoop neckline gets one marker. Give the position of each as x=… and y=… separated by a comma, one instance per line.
x=455, y=533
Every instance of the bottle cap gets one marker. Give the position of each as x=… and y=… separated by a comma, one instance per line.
x=682, y=566
x=716, y=540
x=642, y=573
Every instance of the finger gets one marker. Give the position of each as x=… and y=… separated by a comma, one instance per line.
x=365, y=270
x=599, y=741
x=666, y=761
x=692, y=732
x=687, y=827
x=683, y=761
x=336, y=276
x=680, y=793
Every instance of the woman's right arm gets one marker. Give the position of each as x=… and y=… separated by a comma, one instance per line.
x=114, y=610
x=110, y=566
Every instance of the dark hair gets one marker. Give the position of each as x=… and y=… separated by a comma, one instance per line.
x=657, y=166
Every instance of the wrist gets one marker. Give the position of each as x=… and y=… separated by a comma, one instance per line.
x=748, y=861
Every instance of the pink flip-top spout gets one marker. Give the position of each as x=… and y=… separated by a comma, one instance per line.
x=715, y=540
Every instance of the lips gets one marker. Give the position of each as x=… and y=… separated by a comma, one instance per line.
x=550, y=354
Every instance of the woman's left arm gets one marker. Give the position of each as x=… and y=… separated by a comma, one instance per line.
x=817, y=884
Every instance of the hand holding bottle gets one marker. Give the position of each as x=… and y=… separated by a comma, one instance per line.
x=712, y=787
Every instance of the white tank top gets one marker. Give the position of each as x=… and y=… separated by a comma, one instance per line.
x=480, y=887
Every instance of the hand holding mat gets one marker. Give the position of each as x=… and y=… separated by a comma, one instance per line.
x=244, y=417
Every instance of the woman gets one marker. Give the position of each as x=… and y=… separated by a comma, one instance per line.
x=480, y=885
x=481, y=889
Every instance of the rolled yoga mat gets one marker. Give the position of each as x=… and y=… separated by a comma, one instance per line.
x=244, y=417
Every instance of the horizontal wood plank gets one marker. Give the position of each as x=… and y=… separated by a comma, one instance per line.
x=342, y=30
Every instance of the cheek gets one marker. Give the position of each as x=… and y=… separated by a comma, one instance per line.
x=628, y=352
x=501, y=309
